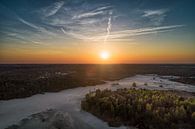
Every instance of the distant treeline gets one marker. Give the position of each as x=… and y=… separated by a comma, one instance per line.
x=18, y=81
x=145, y=109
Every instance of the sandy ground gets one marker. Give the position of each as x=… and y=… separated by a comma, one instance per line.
x=65, y=105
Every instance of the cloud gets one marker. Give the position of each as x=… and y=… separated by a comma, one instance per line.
x=28, y=23
x=98, y=11
x=125, y=40
x=155, y=16
x=75, y=35
x=148, y=13
x=88, y=22
x=37, y=28
x=123, y=35
x=84, y=30
x=137, y=32
x=103, y=8
x=52, y=9
x=22, y=38
x=37, y=42
x=108, y=28
x=46, y=30
x=80, y=18
x=81, y=25
x=88, y=14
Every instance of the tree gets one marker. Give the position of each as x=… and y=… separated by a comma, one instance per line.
x=193, y=116
x=134, y=84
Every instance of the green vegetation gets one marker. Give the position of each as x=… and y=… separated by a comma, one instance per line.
x=145, y=109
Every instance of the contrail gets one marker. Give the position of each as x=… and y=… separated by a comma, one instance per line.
x=108, y=28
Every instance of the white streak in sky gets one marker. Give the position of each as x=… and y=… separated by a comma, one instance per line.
x=88, y=14
x=98, y=11
x=156, y=16
x=53, y=9
x=28, y=23
x=108, y=28
x=37, y=28
x=75, y=35
x=121, y=35
x=103, y=8
x=137, y=32
x=148, y=13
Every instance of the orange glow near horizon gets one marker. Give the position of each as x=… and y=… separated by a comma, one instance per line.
x=96, y=54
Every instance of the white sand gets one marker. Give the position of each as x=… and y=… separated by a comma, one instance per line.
x=68, y=101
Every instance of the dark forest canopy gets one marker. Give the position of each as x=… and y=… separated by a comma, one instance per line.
x=18, y=81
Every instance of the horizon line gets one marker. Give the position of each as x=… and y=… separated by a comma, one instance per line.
x=97, y=63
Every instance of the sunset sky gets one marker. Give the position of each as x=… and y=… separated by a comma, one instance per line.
x=97, y=31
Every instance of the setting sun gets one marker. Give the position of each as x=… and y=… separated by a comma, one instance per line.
x=104, y=55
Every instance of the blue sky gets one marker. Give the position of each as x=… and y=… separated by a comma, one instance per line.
x=51, y=22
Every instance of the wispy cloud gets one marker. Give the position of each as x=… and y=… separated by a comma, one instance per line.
x=98, y=11
x=37, y=42
x=108, y=28
x=36, y=27
x=142, y=31
x=123, y=40
x=52, y=9
x=22, y=38
x=75, y=35
x=124, y=34
x=148, y=13
x=28, y=23
x=88, y=14
x=88, y=22
x=104, y=8
x=155, y=16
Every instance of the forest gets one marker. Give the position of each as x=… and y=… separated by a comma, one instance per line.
x=144, y=109
x=19, y=81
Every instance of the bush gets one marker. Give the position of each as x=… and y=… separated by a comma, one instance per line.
x=145, y=84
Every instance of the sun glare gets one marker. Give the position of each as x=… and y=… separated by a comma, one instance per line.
x=104, y=55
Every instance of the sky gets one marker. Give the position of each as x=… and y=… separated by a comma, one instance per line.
x=80, y=31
